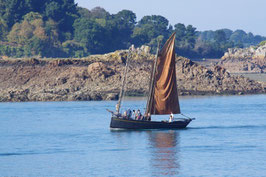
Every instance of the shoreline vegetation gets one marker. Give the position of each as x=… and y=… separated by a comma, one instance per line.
x=60, y=28
x=98, y=77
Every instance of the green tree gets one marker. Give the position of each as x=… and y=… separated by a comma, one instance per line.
x=100, y=32
x=150, y=27
x=180, y=30
x=63, y=12
x=227, y=32
x=11, y=11
x=74, y=49
x=190, y=36
x=99, y=12
x=185, y=39
x=120, y=28
x=206, y=35
x=219, y=36
x=3, y=29
x=35, y=36
x=90, y=34
x=238, y=36
x=83, y=12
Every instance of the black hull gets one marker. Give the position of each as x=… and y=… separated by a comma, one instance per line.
x=140, y=124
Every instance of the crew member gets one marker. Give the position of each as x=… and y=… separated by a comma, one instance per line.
x=171, y=118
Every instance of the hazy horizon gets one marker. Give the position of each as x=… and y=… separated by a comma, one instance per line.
x=246, y=15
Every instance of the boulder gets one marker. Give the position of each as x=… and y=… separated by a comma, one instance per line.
x=99, y=69
x=247, y=60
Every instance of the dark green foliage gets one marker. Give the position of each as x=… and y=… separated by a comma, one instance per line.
x=148, y=29
x=221, y=40
x=3, y=30
x=238, y=37
x=227, y=32
x=180, y=30
x=185, y=39
x=123, y=26
x=219, y=36
x=63, y=12
x=34, y=37
x=11, y=11
x=100, y=32
x=58, y=28
x=7, y=50
x=74, y=49
x=90, y=34
x=99, y=12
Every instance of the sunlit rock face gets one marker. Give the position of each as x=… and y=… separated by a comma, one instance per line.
x=98, y=77
x=248, y=60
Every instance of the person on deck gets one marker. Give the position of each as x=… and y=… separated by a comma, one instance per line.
x=149, y=117
x=129, y=113
x=138, y=115
x=171, y=118
x=125, y=114
x=133, y=114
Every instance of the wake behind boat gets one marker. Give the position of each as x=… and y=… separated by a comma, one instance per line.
x=162, y=98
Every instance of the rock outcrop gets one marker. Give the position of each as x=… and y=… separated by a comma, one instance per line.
x=215, y=80
x=248, y=60
x=98, y=77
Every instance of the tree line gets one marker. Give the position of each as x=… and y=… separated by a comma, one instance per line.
x=59, y=28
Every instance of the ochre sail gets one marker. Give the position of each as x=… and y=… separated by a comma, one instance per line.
x=165, y=98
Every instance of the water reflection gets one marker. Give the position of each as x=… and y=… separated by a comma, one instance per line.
x=160, y=147
x=165, y=153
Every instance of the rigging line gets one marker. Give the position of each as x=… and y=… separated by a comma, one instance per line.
x=185, y=116
x=122, y=91
x=126, y=79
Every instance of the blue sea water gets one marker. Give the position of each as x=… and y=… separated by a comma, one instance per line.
x=61, y=139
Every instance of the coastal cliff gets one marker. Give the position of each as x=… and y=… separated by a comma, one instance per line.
x=98, y=77
x=247, y=60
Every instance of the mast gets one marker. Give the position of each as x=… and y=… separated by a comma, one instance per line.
x=151, y=87
x=121, y=94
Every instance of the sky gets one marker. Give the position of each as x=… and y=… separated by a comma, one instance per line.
x=248, y=15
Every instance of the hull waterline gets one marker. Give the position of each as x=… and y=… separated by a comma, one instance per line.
x=141, y=124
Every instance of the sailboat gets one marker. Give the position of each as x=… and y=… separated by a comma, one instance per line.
x=162, y=97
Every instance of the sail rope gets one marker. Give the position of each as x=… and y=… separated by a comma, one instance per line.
x=185, y=116
x=124, y=83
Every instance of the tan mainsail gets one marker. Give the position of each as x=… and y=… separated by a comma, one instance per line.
x=164, y=99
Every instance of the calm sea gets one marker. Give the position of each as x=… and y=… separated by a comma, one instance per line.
x=73, y=139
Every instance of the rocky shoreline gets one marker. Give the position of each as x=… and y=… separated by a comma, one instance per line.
x=98, y=77
x=247, y=60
